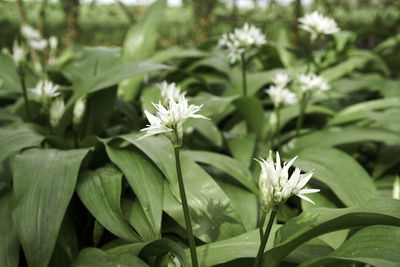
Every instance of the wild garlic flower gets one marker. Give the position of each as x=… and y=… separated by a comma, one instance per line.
x=45, y=90
x=241, y=40
x=281, y=96
x=18, y=54
x=169, y=120
x=57, y=108
x=317, y=24
x=281, y=79
x=53, y=43
x=276, y=186
x=33, y=37
x=169, y=90
x=312, y=82
x=79, y=111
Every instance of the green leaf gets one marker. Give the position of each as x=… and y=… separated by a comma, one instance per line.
x=100, y=192
x=229, y=165
x=140, y=43
x=347, y=179
x=163, y=246
x=377, y=245
x=242, y=147
x=319, y=221
x=251, y=109
x=94, y=257
x=145, y=180
x=213, y=216
x=9, y=244
x=136, y=217
x=44, y=181
x=176, y=52
x=14, y=139
x=335, y=136
x=9, y=75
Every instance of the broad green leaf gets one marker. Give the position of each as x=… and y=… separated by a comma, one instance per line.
x=145, y=180
x=229, y=165
x=213, y=107
x=213, y=216
x=9, y=244
x=14, y=139
x=94, y=257
x=335, y=136
x=9, y=75
x=290, y=112
x=363, y=110
x=255, y=80
x=319, y=221
x=140, y=43
x=252, y=111
x=136, y=217
x=242, y=246
x=44, y=182
x=209, y=130
x=215, y=61
x=340, y=172
x=242, y=147
x=100, y=192
x=377, y=245
x=176, y=52
x=163, y=246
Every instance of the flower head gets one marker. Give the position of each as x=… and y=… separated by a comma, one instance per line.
x=18, y=54
x=57, y=108
x=281, y=79
x=45, y=90
x=33, y=37
x=317, y=24
x=241, y=40
x=276, y=186
x=281, y=95
x=170, y=90
x=312, y=82
x=169, y=120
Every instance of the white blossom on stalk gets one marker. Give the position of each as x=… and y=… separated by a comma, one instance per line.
x=18, y=54
x=281, y=96
x=79, y=111
x=276, y=186
x=281, y=79
x=170, y=90
x=317, y=24
x=57, y=108
x=241, y=40
x=33, y=37
x=169, y=120
x=45, y=90
x=312, y=82
x=53, y=43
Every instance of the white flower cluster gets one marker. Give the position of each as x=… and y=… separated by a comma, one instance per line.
x=169, y=120
x=279, y=93
x=18, y=54
x=313, y=82
x=276, y=186
x=241, y=40
x=45, y=90
x=317, y=24
x=33, y=37
x=170, y=90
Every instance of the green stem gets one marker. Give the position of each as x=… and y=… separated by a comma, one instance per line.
x=24, y=91
x=303, y=107
x=185, y=208
x=278, y=125
x=264, y=240
x=262, y=221
x=243, y=59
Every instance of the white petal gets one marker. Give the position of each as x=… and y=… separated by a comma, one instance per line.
x=308, y=191
x=305, y=198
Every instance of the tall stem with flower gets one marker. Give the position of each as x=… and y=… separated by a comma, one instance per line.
x=169, y=121
x=275, y=188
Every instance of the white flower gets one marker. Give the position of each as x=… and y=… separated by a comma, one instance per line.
x=281, y=79
x=276, y=186
x=317, y=24
x=312, y=82
x=169, y=120
x=169, y=91
x=57, y=108
x=241, y=40
x=53, y=42
x=281, y=95
x=18, y=54
x=33, y=37
x=45, y=90
x=79, y=110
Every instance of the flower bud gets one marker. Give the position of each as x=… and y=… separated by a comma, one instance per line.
x=56, y=111
x=79, y=111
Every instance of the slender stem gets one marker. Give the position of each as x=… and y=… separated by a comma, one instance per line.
x=185, y=208
x=278, y=126
x=24, y=92
x=243, y=59
x=303, y=106
x=262, y=221
x=264, y=240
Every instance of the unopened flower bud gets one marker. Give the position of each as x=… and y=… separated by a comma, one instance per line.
x=79, y=111
x=56, y=111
